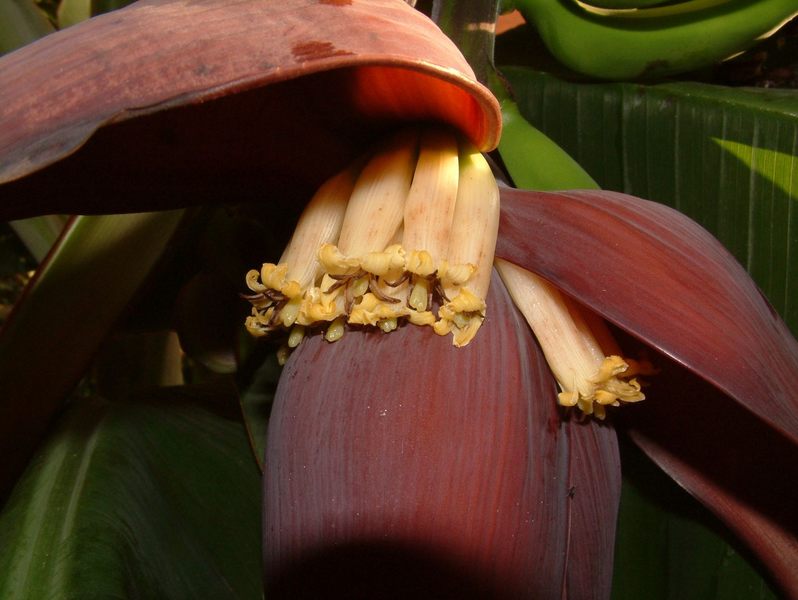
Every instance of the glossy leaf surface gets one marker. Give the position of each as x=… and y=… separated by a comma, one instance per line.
x=725, y=157
x=255, y=109
x=135, y=500
x=390, y=456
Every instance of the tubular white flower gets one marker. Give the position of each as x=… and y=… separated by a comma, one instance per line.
x=587, y=377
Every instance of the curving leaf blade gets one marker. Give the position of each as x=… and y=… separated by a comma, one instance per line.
x=21, y=22
x=65, y=313
x=668, y=545
x=725, y=157
x=135, y=500
x=735, y=464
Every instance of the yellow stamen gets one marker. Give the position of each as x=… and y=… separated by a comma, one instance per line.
x=371, y=310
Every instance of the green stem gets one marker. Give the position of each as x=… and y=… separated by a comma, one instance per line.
x=470, y=24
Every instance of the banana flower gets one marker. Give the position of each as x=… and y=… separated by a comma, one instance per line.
x=399, y=465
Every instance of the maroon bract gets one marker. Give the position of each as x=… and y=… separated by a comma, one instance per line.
x=189, y=97
x=401, y=465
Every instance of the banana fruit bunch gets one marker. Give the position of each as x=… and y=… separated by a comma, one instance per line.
x=633, y=39
x=407, y=235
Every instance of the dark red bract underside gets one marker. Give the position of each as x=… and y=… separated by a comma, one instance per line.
x=397, y=463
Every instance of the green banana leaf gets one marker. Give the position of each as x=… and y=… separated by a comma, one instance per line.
x=103, y=6
x=65, y=313
x=144, y=500
x=668, y=546
x=75, y=11
x=20, y=23
x=39, y=233
x=71, y=12
x=726, y=158
x=257, y=395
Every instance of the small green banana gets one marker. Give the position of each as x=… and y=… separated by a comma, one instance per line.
x=655, y=41
x=533, y=160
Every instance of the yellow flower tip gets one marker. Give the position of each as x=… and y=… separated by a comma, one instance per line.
x=371, y=311
x=292, y=289
x=419, y=262
x=334, y=262
x=466, y=302
x=456, y=275
x=253, y=283
x=419, y=296
x=273, y=276
x=442, y=327
x=318, y=306
x=608, y=387
x=359, y=286
x=283, y=352
x=462, y=335
x=611, y=382
x=568, y=398
x=610, y=367
x=290, y=312
x=255, y=327
x=276, y=301
x=434, y=194
x=462, y=317
x=388, y=263
x=422, y=318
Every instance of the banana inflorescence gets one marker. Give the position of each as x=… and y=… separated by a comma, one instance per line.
x=406, y=236
x=626, y=42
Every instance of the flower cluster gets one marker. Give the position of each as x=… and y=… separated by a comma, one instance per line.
x=409, y=237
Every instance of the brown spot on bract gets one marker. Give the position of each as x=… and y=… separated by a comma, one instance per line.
x=315, y=50
x=336, y=2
